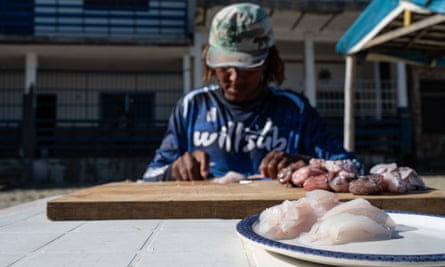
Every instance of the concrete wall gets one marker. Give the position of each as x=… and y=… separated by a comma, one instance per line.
x=70, y=171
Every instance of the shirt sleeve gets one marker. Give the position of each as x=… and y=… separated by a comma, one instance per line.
x=173, y=145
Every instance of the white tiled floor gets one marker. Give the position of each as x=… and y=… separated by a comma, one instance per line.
x=196, y=243
x=27, y=238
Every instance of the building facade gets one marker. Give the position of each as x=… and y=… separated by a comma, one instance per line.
x=98, y=78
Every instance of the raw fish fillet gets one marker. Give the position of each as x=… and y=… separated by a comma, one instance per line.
x=352, y=221
x=286, y=220
x=230, y=177
x=291, y=218
x=345, y=228
x=321, y=201
x=321, y=218
x=360, y=206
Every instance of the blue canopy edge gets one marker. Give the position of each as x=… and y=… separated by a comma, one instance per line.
x=436, y=6
x=379, y=14
x=374, y=13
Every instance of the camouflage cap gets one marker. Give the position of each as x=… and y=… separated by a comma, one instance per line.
x=240, y=36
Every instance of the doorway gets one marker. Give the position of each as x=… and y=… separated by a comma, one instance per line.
x=46, y=112
x=432, y=97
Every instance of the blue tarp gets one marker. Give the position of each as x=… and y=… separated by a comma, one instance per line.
x=377, y=15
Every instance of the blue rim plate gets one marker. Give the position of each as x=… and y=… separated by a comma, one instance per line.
x=419, y=241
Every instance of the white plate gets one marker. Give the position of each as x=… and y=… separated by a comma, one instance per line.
x=419, y=241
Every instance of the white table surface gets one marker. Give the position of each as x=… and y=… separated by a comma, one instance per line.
x=28, y=238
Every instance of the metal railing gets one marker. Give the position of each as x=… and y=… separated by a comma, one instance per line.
x=80, y=129
x=371, y=100
x=99, y=138
x=81, y=138
x=165, y=21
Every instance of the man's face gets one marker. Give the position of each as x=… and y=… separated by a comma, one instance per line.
x=240, y=85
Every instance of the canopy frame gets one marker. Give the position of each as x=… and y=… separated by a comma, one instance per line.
x=410, y=31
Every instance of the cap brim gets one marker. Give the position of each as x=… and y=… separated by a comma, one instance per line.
x=218, y=58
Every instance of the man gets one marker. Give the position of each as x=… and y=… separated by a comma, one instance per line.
x=238, y=122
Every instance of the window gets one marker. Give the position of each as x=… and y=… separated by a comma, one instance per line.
x=116, y=4
x=46, y=115
x=432, y=100
x=126, y=110
x=17, y=17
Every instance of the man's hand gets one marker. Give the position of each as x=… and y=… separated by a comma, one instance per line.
x=191, y=166
x=275, y=161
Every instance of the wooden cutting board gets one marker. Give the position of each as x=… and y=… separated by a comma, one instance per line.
x=163, y=200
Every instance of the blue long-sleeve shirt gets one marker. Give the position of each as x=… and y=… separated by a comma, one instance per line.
x=238, y=137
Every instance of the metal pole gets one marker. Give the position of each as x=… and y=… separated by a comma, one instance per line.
x=28, y=144
x=196, y=50
x=378, y=91
x=29, y=107
x=402, y=97
x=348, y=140
x=309, y=65
x=186, y=72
